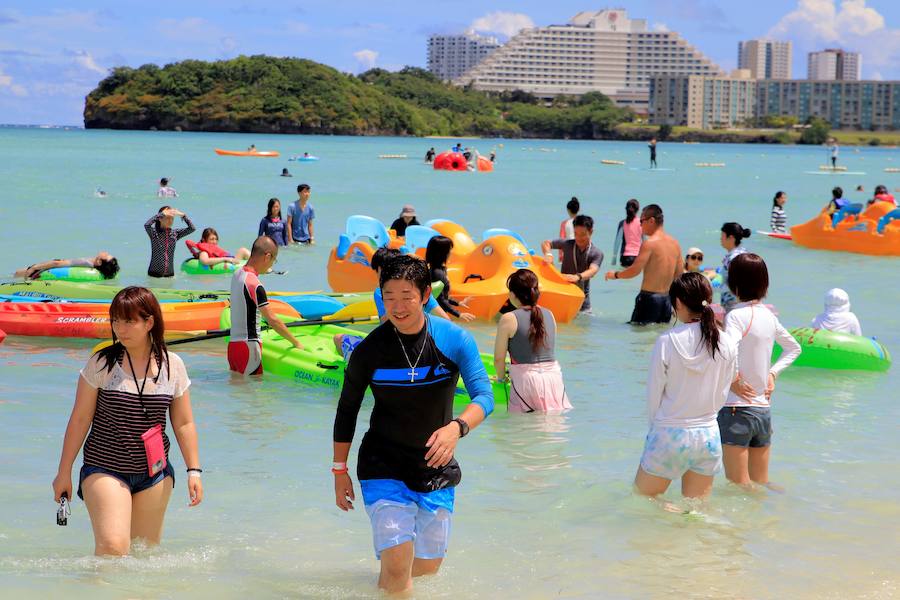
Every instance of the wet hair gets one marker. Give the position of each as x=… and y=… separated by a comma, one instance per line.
x=655, y=212
x=438, y=251
x=631, y=209
x=208, y=232
x=524, y=286
x=164, y=181
x=408, y=268
x=573, y=205
x=272, y=202
x=131, y=303
x=695, y=293
x=778, y=196
x=583, y=221
x=837, y=192
x=748, y=277
x=164, y=207
x=732, y=229
x=302, y=187
x=382, y=256
x=108, y=267
x=880, y=189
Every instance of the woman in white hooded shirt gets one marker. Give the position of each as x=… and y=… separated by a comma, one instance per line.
x=837, y=316
x=692, y=367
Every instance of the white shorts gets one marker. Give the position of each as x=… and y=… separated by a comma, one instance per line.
x=670, y=452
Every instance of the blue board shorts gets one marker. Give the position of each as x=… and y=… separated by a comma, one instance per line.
x=400, y=515
x=746, y=426
x=136, y=482
x=670, y=452
x=349, y=344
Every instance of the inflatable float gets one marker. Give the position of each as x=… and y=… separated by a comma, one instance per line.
x=319, y=363
x=873, y=230
x=702, y=164
x=92, y=320
x=304, y=158
x=71, y=274
x=450, y=161
x=193, y=266
x=842, y=351
x=258, y=153
x=607, y=161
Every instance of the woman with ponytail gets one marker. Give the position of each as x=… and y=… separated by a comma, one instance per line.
x=124, y=394
x=732, y=234
x=528, y=335
x=628, y=236
x=692, y=367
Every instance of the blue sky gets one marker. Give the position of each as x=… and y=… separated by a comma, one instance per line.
x=53, y=53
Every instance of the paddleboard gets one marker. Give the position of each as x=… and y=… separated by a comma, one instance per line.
x=835, y=172
x=772, y=234
x=649, y=169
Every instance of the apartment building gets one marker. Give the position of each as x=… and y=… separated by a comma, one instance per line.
x=449, y=56
x=766, y=59
x=603, y=51
x=833, y=64
x=703, y=102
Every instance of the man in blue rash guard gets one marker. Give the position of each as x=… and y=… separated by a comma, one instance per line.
x=405, y=467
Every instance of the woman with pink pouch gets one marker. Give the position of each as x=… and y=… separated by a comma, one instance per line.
x=528, y=335
x=123, y=395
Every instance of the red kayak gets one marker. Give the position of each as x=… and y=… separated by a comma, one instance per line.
x=777, y=236
x=74, y=319
x=2, y=336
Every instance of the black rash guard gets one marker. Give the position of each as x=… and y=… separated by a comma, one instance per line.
x=410, y=404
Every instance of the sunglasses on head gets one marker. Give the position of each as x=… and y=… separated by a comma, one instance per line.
x=696, y=257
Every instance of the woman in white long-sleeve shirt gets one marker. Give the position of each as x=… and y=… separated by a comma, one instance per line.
x=745, y=422
x=692, y=367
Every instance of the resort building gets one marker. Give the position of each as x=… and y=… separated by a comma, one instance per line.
x=601, y=51
x=765, y=59
x=834, y=65
x=449, y=56
x=709, y=102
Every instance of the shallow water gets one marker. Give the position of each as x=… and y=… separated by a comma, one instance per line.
x=545, y=507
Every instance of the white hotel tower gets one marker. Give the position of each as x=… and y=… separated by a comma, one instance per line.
x=601, y=51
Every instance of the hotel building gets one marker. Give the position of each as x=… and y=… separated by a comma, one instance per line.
x=449, y=56
x=834, y=65
x=765, y=59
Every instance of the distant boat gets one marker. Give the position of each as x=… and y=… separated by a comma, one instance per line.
x=259, y=153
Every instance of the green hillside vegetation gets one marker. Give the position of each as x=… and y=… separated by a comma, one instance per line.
x=290, y=95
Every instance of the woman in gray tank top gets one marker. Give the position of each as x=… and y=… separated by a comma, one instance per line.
x=528, y=335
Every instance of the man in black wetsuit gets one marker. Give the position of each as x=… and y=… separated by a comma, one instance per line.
x=652, y=146
x=405, y=467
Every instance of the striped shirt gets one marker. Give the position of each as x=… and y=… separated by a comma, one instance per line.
x=778, y=222
x=114, y=441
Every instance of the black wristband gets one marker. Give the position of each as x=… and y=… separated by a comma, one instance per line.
x=197, y=470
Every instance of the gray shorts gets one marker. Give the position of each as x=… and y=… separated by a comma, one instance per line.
x=745, y=426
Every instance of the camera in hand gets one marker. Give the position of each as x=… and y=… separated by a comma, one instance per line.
x=63, y=512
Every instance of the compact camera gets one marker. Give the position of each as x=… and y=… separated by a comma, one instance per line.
x=63, y=512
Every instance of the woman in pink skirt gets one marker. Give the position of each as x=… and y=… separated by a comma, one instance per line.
x=528, y=334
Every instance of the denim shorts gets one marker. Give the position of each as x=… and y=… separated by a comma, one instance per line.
x=136, y=482
x=746, y=426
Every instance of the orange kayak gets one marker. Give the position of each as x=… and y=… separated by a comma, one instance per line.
x=259, y=153
x=72, y=319
x=871, y=231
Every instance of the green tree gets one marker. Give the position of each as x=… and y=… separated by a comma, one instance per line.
x=816, y=132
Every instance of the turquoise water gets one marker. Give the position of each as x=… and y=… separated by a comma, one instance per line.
x=545, y=507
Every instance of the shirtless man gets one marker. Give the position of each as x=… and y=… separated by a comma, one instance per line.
x=660, y=260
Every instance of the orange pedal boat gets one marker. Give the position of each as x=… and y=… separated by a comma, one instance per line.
x=873, y=230
x=349, y=263
x=73, y=319
x=257, y=153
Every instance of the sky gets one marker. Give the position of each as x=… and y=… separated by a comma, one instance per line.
x=52, y=53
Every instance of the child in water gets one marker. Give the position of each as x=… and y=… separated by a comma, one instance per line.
x=691, y=369
x=745, y=422
x=732, y=234
x=778, y=221
x=837, y=316
x=436, y=254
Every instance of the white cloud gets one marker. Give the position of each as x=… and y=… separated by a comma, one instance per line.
x=660, y=27
x=365, y=58
x=849, y=24
x=84, y=59
x=6, y=83
x=504, y=23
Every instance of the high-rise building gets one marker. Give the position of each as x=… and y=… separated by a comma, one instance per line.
x=601, y=51
x=449, y=56
x=834, y=64
x=703, y=102
x=766, y=59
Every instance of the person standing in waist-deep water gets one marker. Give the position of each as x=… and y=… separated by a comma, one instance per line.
x=407, y=217
x=406, y=466
x=163, y=240
x=652, y=147
x=165, y=191
x=661, y=262
x=301, y=215
x=123, y=395
x=528, y=335
x=429, y=156
x=272, y=224
x=732, y=234
x=778, y=221
x=745, y=422
x=628, y=235
x=691, y=369
x=436, y=254
x=248, y=300
x=581, y=259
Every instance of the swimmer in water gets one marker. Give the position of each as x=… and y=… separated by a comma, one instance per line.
x=104, y=262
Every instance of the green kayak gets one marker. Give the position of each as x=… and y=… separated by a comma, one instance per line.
x=829, y=350
x=320, y=363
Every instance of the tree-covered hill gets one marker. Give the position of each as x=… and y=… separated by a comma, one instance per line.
x=290, y=95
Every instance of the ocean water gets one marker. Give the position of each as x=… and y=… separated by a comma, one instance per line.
x=545, y=508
